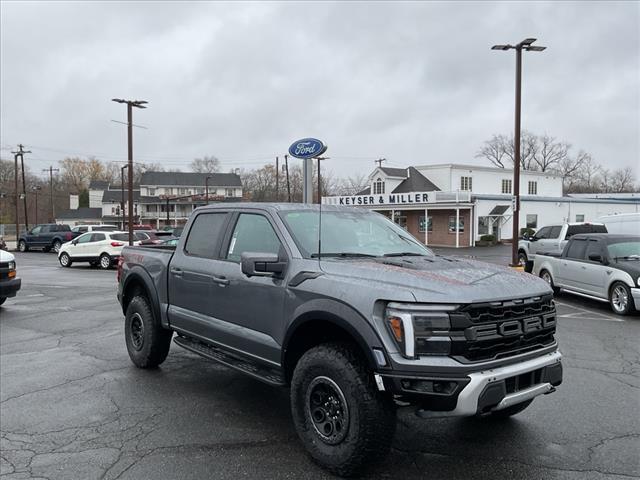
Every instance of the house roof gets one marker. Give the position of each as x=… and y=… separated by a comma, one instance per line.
x=394, y=172
x=79, y=214
x=115, y=196
x=190, y=179
x=366, y=191
x=98, y=185
x=415, y=182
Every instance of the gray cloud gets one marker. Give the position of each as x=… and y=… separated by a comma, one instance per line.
x=415, y=82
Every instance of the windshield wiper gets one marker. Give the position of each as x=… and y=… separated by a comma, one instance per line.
x=343, y=255
x=403, y=254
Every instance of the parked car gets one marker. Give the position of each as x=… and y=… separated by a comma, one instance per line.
x=373, y=319
x=553, y=238
x=9, y=281
x=46, y=237
x=625, y=223
x=3, y=244
x=601, y=266
x=151, y=237
x=79, y=229
x=97, y=248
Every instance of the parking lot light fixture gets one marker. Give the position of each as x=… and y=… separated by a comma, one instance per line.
x=526, y=44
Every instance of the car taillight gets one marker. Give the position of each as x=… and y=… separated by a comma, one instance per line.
x=119, y=270
x=68, y=236
x=117, y=244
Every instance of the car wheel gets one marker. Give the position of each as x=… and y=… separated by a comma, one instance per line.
x=620, y=299
x=147, y=342
x=65, y=260
x=105, y=261
x=546, y=276
x=2, y=300
x=56, y=246
x=522, y=258
x=344, y=422
x=510, y=411
x=22, y=246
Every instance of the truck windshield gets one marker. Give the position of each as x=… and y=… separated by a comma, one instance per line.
x=350, y=234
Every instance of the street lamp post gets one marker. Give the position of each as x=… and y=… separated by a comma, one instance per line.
x=206, y=188
x=526, y=44
x=36, y=189
x=122, y=193
x=130, y=105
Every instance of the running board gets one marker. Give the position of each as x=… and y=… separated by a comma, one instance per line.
x=585, y=295
x=265, y=374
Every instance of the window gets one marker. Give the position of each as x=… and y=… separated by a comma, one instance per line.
x=506, y=185
x=452, y=224
x=543, y=233
x=466, y=184
x=533, y=188
x=579, y=217
x=229, y=192
x=121, y=237
x=421, y=224
x=577, y=249
x=151, y=192
x=182, y=191
x=86, y=238
x=555, y=231
x=378, y=187
x=575, y=229
x=253, y=233
x=36, y=230
x=204, y=234
x=484, y=225
x=532, y=221
x=98, y=237
x=594, y=247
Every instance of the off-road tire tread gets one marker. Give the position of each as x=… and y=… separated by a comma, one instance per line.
x=377, y=411
x=157, y=341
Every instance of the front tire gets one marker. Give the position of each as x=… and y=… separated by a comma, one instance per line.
x=2, y=300
x=510, y=411
x=56, y=246
x=620, y=299
x=546, y=276
x=344, y=422
x=147, y=342
x=65, y=260
x=105, y=261
x=22, y=246
x=522, y=258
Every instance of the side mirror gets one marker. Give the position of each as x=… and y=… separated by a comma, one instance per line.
x=595, y=257
x=74, y=242
x=261, y=264
x=525, y=236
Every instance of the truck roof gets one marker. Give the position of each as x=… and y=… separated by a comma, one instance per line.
x=608, y=237
x=284, y=207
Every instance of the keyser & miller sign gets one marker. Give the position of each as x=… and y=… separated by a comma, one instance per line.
x=307, y=148
x=388, y=199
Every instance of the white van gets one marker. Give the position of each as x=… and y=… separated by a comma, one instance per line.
x=625, y=223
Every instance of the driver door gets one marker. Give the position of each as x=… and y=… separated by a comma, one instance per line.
x=537, y=243
x=78, y=248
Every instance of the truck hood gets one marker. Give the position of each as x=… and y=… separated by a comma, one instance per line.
x=439, y=278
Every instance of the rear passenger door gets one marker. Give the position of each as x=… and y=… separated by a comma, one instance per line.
x=97, y=245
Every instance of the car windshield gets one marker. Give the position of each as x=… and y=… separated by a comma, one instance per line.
x=350, y=234
x=628, y=249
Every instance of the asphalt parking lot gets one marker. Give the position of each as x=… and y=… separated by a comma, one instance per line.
x=74, y=407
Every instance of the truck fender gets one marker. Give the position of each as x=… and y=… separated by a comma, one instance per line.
x=140, y=277
x=340, y=315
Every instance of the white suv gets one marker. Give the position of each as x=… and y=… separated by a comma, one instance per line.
x=98, y=248
x=94, y=228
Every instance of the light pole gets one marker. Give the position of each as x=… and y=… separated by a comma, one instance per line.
x=130, y=105
x=36, y=189
x=526, y=44
x=206, y=188
x=122, y=193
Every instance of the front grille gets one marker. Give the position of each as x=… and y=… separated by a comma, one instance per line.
x=495, y=330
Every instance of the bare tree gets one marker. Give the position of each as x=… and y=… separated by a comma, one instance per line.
x=206, y=164
x=569, y=169
x=622, y=180
x=550, y=152
x=500, y=151
x=353, y=184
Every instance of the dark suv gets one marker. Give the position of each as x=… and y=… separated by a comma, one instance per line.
x=47, y=237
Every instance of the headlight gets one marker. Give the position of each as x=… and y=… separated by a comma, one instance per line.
x=12, y=265
x=638, y=281
x=420, y=329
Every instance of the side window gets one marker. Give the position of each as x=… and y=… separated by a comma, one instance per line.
x=252, y=233
x=36, y=230
x=594, y=247
x=577, y=249
x=204, y=234
x=543, y=233
x=45, y=229
x=555, y=231
x=97, y=237
x=83, y=229
x=85, y=238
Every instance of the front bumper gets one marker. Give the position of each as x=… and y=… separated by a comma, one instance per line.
x=479, y=392
x=635, y=293
x=9, y=288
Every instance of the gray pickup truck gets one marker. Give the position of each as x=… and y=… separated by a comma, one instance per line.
x=357, y=325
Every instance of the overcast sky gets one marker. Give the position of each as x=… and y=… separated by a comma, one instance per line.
x=416, y=83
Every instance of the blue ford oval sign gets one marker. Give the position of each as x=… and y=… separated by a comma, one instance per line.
x=307, y=148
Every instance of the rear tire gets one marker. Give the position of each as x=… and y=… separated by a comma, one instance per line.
x=344, y=422
x=105, y=261
x=65, y=260
x=620, y=299
x=510, y=411
x=546, y=276
x=147, y=342
x=22, y=246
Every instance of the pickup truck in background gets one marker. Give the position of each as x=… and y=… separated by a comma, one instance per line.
x=553, y=238
x=46, y=237
x=605, y=267
x=371, y=321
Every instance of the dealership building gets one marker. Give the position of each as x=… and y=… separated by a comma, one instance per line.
x=454, y=204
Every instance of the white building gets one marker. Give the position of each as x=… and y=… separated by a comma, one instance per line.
x=460, y=203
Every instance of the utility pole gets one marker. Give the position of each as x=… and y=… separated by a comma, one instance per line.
x=21, y=151
x=122, y=193
x=15, y=185
x=53, y=208
x=277, y=179
x=36, y=189
x=379, y=161
x=526, y=44
x=130, y=105
x=286, y=167
x=206, y=188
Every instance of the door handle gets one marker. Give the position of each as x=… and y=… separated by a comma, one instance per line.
x=176, y=272
x=222, y=281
